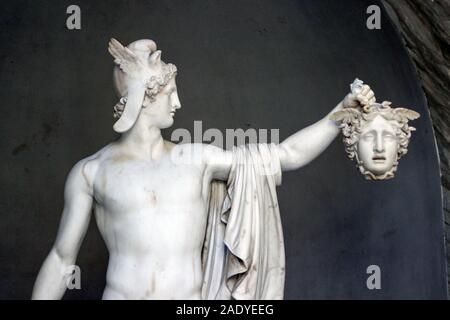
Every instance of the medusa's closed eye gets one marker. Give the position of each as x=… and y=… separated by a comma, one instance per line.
x=369, y=136
x=389, y=136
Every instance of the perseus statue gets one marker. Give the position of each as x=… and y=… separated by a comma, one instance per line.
x=184, y=229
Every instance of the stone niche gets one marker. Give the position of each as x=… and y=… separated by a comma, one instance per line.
x=249, y=64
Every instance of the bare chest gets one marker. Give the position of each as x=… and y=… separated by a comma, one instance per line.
x=133, y=185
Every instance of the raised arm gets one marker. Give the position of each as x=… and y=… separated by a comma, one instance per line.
x=51, y=281
x=304, y=146
x=300, y=148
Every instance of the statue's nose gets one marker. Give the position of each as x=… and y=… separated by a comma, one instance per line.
x=176, y=102
x=379, y=144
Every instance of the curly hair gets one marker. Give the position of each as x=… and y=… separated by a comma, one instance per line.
x=353, y=120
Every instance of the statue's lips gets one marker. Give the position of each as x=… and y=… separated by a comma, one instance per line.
x=379, y=159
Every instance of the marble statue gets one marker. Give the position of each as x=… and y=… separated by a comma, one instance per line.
x=207, y=229
x=376, y=135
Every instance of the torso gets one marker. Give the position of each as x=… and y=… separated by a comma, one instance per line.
x=152, y=216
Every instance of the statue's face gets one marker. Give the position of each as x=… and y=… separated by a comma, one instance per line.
x=162, y=110
x=377, y=146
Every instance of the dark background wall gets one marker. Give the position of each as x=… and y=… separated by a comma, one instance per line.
x=261, y=64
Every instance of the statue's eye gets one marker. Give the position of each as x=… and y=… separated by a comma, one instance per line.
x=368, y=137
x=389, y=136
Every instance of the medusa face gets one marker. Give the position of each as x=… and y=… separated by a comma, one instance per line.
x=377, y=147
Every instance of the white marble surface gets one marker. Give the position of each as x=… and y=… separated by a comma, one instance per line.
x=376, y=136
x=150, y=210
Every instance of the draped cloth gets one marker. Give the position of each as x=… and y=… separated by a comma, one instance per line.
x=243, y=253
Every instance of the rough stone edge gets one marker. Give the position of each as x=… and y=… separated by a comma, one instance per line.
x=445, y=193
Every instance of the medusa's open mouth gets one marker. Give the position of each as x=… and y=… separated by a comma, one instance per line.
x=378, y=158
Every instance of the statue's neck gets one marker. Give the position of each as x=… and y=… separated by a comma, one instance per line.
x=144, y=141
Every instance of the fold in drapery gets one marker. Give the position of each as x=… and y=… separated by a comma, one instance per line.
x=243, y=254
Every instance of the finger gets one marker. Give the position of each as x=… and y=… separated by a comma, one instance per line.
x=370, y=95
x=362, y=100
x=365, y=90
x=372, y=101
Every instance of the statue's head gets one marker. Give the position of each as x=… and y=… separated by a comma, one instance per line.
x=144, y=83
x=376, y=137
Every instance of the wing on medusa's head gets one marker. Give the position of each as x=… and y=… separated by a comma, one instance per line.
x=406, y=114
x=347, y=115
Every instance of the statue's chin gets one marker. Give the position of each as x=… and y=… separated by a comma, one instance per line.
x=377, y=173
x=167, y=124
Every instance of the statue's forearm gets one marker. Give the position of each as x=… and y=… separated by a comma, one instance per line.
x=51, y=281
x=308, y=143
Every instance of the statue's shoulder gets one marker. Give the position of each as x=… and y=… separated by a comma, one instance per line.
x=88, y=167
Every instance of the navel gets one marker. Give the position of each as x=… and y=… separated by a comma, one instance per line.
x=153, y=199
